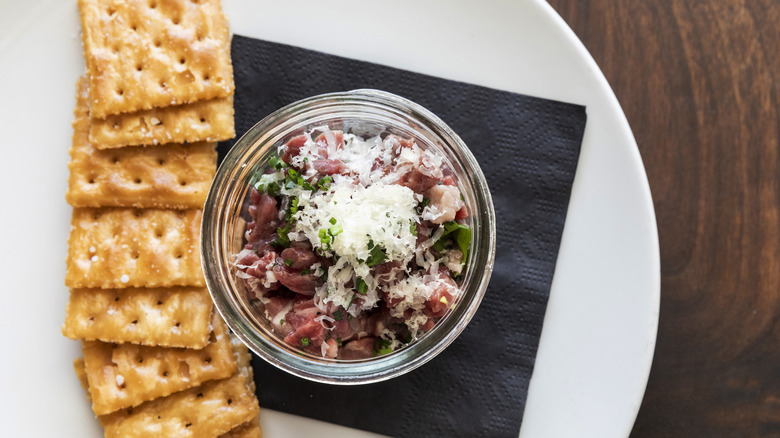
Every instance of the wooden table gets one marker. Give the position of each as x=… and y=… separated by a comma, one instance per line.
x=698, y=81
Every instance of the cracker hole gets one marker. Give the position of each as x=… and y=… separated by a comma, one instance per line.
x=158, y=417
x=188, y=425
x=115, y=160
x=163, y=84
x=138, y=180
x=176, y=20
x=139, y=67
x=134, y=27
x=120, y=92
x=207, y=360
x=136, y=253
x=202, y=119
x=122, y=386
x=115, y=50
x=116, y=299
x=159, y=303
x=91, y=318
x=178, y=324
x=182, y=60
x=200, y=395
x=152, y=5
x=92, y=180
x=110, y=11
x=138, y=213
x=230, y=401
x=116, y=126
x=200, y=36
x=135, y=321
x=157, y=43
x=162, y=162
x=206, y=77
x=140, y=360
x=183, y=183
x=165, y=374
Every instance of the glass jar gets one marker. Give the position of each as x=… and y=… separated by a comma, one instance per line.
x=225, y=216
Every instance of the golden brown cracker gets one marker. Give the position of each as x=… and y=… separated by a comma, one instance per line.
x=125, y=375
x=143, y=54
x=125, y=247
x=209, y=410
x=166, y=317
x=250, y=429
x=81, y=374
x=168, y=176
x=208, y=120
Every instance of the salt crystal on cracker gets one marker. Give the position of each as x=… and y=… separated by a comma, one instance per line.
x=148, y=246
x=140, y=316
x=142, y=55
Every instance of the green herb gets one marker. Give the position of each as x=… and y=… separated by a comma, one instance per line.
x=325, y=238
x=338, y=341
x=332, y=221
x=337, y=315
x=305, y=342
x=413, y=228
x=461, y=234
x=293, y=205
x=382, y=346
x=266, y=183
x=351, y=299
x=335, y=230
x=281, y=321
x=325, y=182
x=305, y=271
x=292, y=173
x=424, y=203
x=361, y=286
x=288, y=262
x=276, y=163
x=376, y=254
x=327, y=336
x=283, y=240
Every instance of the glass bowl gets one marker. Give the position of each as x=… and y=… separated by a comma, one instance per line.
x=225, y=215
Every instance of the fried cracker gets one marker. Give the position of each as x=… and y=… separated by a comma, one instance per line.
x=126, y=375
x=165, y=317
x=168, y=176
x=124, y=247
x=143, y=54
x=208, y=120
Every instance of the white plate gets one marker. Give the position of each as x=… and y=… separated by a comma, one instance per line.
x=599, y=331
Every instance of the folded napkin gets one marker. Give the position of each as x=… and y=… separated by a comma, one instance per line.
x=528, y=149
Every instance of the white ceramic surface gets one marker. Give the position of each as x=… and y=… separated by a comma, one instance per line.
x=600, y=328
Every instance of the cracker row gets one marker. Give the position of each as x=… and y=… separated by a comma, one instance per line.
x=164, y=317
x=126, y=247
x=168, y=176
x=248, y=429
x=143, y=54
x=126, y=375
x=208, y=120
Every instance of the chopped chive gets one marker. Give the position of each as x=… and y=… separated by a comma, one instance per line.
x=337, y=315
x=327, y=337
x=361, y=286
x=305, y=342
x=325, y=182
x=338, y=341
x=332, y=221
x=281, y=321
x=305, y=271
x=293, y=173
x=335, y=230
x=413, y=228
x=288, y=262
x=425, y=202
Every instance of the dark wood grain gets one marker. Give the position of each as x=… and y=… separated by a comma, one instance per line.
x=698, y=81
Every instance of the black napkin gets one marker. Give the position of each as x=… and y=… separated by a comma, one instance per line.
x=528, y=149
